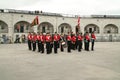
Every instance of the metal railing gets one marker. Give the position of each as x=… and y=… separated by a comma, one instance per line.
x=37, y=12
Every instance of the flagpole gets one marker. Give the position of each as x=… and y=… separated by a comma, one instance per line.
x=56, y=25
x=35, y=28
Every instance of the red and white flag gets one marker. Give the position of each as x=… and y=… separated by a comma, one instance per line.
x=79, y=22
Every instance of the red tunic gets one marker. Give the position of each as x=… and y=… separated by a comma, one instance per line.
x=68, y=38
x=73, y=39
x=48, y=38
x=38, y=37
x=79, y=38
x=56, y=38
x=87, y=37
x=34, y=38
x=42, y=38
x=29, y=36
x=93, y=36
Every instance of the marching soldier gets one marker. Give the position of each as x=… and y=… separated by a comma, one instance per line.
x=79, y=37
x=76, y=44
x=51, y=43
x=82, y=40
x=42, y=40
x=87, y=41
x=48, y=39
x=62, y=42
x=34, y=39
x=93, y=37
x=68, y=38
x=73, y=39
x=29, y=37
x=56, y=42
x=38, y=42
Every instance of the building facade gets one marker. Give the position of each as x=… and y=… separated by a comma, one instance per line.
x=15, y=23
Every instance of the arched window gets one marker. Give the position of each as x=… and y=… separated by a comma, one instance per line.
x=92, y=27
x=46, y=27
x=110, y=28
x=64, y=28
x=3, y=27
x=22, y=27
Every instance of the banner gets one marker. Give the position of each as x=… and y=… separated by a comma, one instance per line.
x=35, y=24
x=35, y=21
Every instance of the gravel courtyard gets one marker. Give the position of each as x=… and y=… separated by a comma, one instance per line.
x=18, y=63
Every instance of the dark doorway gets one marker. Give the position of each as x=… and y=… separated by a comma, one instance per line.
x=22, y=29
x=43, y=29
x=62, y=29
x=90, y=30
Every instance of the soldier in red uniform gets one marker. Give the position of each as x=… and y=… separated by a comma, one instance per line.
x=42, y=41
x=93, y=37
x=38, y=42
x=56, y=42
x=48, y=39
x=82, y=40
x=76, y=44
x=29, y=37
x=68, y=38
x=34, y=39
x=73, y=39
x=79, y=37
x=87, y=41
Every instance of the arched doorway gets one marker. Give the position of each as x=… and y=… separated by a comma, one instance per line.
x=3, y=27
x=110, y=28
x=45, y=27
x=64, y=28
x=91, y=27
x=22, y=27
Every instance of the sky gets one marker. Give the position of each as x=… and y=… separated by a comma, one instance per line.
x=75, y=7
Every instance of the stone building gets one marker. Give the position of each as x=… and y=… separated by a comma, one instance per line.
x=14, y=23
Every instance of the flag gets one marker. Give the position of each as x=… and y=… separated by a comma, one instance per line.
x=79, y=22
x=35, y=21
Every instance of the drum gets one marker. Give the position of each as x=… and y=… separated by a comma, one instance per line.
x=63, y=43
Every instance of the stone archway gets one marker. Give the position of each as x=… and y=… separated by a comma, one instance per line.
x=46, y=27
x=22, y=27
x=110, y=28
x=91, y=27
x=3, y=27
x=64, y=28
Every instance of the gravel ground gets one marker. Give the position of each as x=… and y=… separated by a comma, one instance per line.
x=18, y=63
